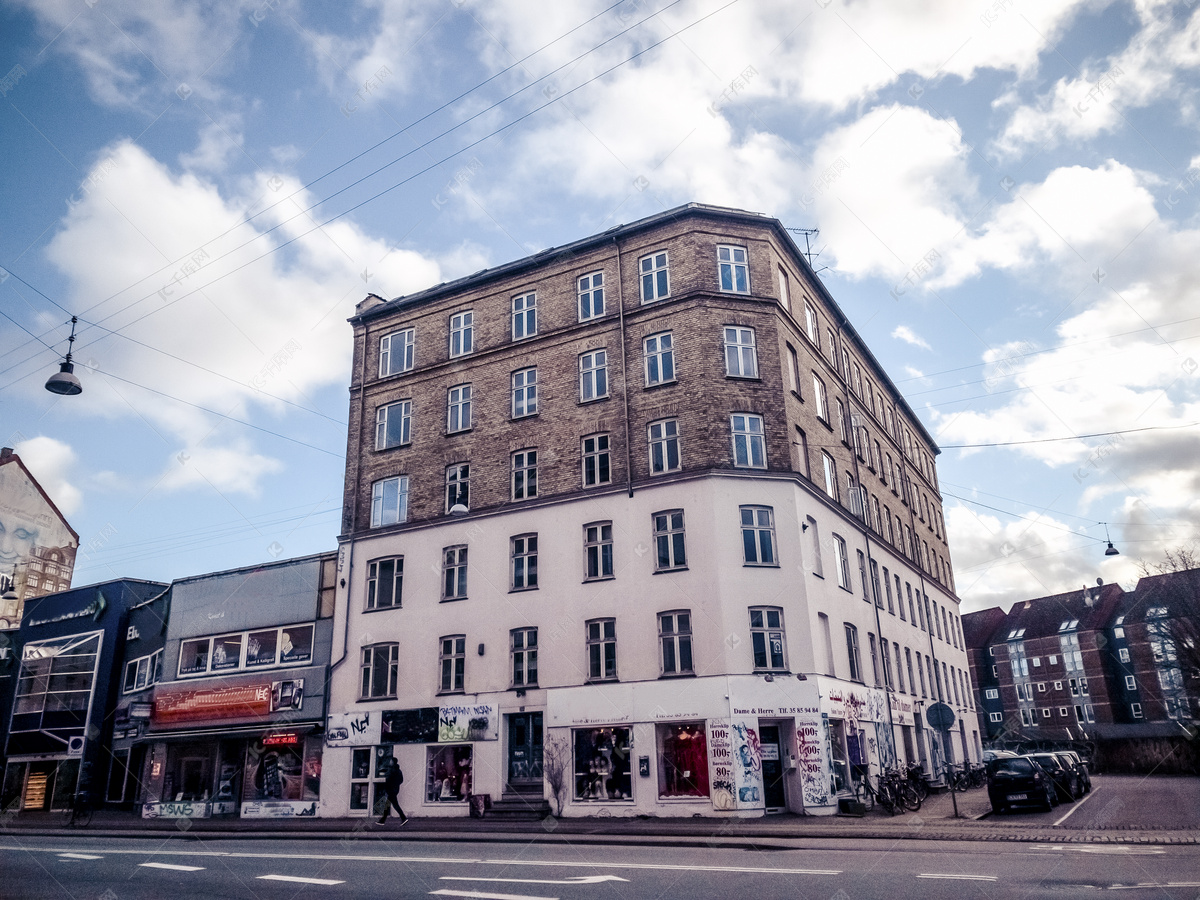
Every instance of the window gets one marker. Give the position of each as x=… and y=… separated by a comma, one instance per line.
x=812, y=325
x=461, y=333
x=793, y=370
x=1041, y=686
x=458, y=485
x=1130, y=683
x=393, y=425
x=874, y=657
x=785, y=293
x=453, y=661
x=735, y=277
x=675, y=638
x=1136, y=710
x=831, y=485
x=887, y=583
x=397, y=352
x=862, y=574
x=841, y=420
x=843, y=562
x=385, y=581
x=741, y=355
x=819, y=394
x=801, y=448
x=814, y=535
x=454, y=573
x=1123, y=654
x=524, y=475
x=766, y=638
x=912, y=682
x=524, y=643
x=852, y=652
x=653, y=270
x=749, y=447
x=596, y=463
x=758, y=536
x=524, y=393
x=448, y=773
x=921, y=673
x=591, y=296
x=664, y=446
x=668, y=540
x=602, y=764
x=598, y=550
x=458, y=408
x=380, y=664
x=142, y=673
x=593, y=375
x=995, y=717
x=602, y=649
x=682, y=760
x=389, y=501
x=524, y=562
x=992, y=694
x=524, y=316
x=659, y=351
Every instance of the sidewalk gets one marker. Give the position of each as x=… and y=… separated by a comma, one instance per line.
x=935, y=822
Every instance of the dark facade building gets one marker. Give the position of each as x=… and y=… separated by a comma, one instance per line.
x=71, y=647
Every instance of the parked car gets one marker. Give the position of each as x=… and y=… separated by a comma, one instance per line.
x=989, y=755
x=1081, y=769
x=1062, y=773
x=1019, y=781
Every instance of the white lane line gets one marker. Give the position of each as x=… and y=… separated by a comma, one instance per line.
x=79, y=856
x=954, y=877
x=171, y=867
x=578, y=879
x=298, y=879
x=481, y=896
x=1076, y=806
x=663, y=867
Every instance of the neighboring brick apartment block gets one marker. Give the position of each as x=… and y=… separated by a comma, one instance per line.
x=648, y=495
x=1096, y=663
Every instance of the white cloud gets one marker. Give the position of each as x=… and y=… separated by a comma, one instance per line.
x=275, y=327
x=906, y=334
x=51, y=462
x=219, y=141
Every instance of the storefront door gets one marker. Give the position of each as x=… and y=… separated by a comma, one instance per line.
x=772, y=767
x=525, y=750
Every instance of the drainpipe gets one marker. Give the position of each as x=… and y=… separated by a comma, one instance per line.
x=624, y=372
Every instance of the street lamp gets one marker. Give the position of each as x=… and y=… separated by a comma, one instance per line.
x=1111, y=551
x=65, y=381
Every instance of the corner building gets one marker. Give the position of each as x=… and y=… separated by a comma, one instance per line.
x=641, y=516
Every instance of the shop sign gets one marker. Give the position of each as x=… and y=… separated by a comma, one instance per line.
x=279, y=809
x=287, y=695
x=720, y=764
x=223, y=808
x=810, y=760
x=239, y=702
x=468, y=722
x=140, y=710
x=284, y=738
x=902, y=709
x=177, y=810
x=356, y=729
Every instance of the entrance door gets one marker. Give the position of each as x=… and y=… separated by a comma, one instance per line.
x=194, y=778
x=772, y=767
x=525, y=750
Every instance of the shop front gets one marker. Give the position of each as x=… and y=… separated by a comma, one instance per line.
x=240, y=749
x=860, y=743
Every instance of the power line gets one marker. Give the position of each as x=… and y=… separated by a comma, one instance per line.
x=1078, y=437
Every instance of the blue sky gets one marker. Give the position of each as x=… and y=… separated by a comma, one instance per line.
x=1006, y=193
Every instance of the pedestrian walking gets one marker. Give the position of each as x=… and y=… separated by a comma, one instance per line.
x=391, y=787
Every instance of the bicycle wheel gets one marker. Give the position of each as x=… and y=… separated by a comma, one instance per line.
x=910, y=799
x=887, y=798
x=866, y=796
x=920, y=787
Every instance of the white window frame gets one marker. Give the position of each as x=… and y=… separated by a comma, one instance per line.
x=405, y=352
x=524, y=393
x=767, y=639
x=830, y=470
x=658, y=351
x=458, y=408
x=458, y=485
x=523, y=647
x=822, y=401
x=146, y=671
x=749, y=441
x=662, y=435
x=462, y=333
x=601, y=641
x=759, y=547
x=674, y=635
x=842, y=556
x=385, y=655
x=596, y=459
x=590, y=293
x=454, y=572
x=654, y=276
x=452, y=664
x=524, y=316
x=670, y=540
x=598, y=551
x=733, y=269
x=593, y=375
x=378, y=577
x=397, y=416
x=524, y=466
x=397, y=487
x=523, y=566
x=741, y=352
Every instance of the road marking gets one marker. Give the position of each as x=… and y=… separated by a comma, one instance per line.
x=1076, y=806
x=173, y=868
x=297, y=878
x=479, y=896
x=1153, y=884
x=65, y=855
x=578, y=879
x=954, y=877
x=1113, y=849
x=663, y=867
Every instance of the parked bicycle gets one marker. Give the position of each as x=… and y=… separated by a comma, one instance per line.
x=915, y=776
x=891, y=791
x=80, y=813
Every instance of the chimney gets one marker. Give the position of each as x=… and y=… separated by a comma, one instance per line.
x=5, y=452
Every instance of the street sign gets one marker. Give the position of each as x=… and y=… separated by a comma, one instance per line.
x=939, y=716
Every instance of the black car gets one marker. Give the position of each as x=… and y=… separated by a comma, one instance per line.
x=1019, y=781
x=1062, y=773
x=1081, y=769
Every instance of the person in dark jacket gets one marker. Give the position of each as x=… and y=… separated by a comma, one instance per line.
x=391, y=787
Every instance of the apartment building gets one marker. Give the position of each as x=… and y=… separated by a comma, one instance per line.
x=642, y=518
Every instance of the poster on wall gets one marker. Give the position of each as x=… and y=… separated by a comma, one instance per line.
x=810, y=759
x=747, y=763
x=468, y=722
x=720, y=765
x=353, y=729
x=410, y=726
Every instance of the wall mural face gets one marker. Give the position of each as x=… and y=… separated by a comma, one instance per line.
x=27, y=521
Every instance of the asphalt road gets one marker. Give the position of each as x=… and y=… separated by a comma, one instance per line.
x=1122, y=802
x=48, y=868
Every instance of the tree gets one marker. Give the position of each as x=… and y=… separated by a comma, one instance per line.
x=556, y=765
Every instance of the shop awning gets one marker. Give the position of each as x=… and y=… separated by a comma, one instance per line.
x=243, y=731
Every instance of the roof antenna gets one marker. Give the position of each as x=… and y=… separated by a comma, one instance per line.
x=809, y=234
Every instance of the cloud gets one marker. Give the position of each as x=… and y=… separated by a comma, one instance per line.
x=51, y=462
x=273, y=328
x=906, y=334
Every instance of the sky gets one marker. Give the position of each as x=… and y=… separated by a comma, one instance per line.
x=1005, y=191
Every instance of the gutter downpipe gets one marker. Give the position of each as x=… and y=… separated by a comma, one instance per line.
x=624, y=371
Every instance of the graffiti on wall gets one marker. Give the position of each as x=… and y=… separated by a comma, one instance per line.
x=747, y=757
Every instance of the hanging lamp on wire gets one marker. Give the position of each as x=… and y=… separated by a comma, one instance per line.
x=65, y=381
x=1111, y=551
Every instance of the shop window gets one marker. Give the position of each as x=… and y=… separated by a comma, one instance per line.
x=282, y=767
x=448, y=774
x=682, y=760
x=295, y=644
x=193, y=656
x=602, y=771
x=226, y=653
x=368, y=769
x=839, y=770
